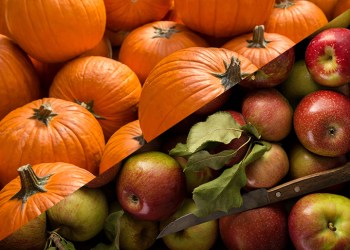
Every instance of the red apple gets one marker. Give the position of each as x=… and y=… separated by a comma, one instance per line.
x=327, y=57
x=320, y=221
x=269, y=169
x=151, y=185
x=322, y=123
x=199, y=237
x=270, y=112
x=257, y=229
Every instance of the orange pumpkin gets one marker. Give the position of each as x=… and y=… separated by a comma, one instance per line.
x=107, y=88
x=340, y=7
x=103, y=48
x=3, y=26
x=55, y=31
x=184, y=81
x=19, y=83
x=36, y=189
x=145, y=46
x=128, y=15
x=223, y=18
x=49, y=130
x=295, y=19
x=327, y=6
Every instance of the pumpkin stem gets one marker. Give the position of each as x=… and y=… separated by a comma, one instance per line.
x=232, y=75
x=140, y=140
x=44, y=113
x=90, y=107
x=30, y=183
x=284, y=4
x=258, y=40
x=164, y=33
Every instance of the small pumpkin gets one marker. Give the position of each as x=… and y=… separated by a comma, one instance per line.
x=292, y=18
x=223, y=18
x=185, y=81
x=128, y=15
x=56, y=31
x=49, y=130
x=19, y=82
x=37, y=188
x=107, y=88
x=145, y=46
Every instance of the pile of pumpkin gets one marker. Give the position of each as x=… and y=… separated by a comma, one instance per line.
x=77, y=80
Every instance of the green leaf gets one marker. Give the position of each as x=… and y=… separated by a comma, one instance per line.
x=251, y=129
x=112, y=225
x=180, y=149
x=103, y=246
x=203, y=159
x=224, y=192
x=218, y=127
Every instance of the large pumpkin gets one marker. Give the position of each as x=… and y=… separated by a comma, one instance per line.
x=327, y=6
x=340, y=7
x=36, y=189
x=55, y=31
x=19, y=83
x=295, y=19
x=128, y=15
x=223, y=18
x=185, y=81
x=145, y=46
x=49, y=130
x=107, y=88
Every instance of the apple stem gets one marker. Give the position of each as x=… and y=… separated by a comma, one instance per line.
x=232, y=75
x=331, y=226
x=30, y=183
x=258, y=40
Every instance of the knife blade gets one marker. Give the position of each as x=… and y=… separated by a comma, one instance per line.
x=262, y=197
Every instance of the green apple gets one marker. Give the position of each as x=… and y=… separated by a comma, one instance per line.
x=81, y=215
x=320, y=221
x=200, y=237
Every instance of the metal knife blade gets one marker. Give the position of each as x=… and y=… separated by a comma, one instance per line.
x=262, y=197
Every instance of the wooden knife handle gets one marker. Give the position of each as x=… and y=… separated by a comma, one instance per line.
x=310, y=183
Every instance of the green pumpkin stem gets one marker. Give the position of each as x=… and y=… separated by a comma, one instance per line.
x=30, y=183
x=90, y=107
x=232, y=75
x=164, y=33
x=258, y=40
x=44, y=113
x=284, y=4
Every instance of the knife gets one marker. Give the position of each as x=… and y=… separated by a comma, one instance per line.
x=262, y=197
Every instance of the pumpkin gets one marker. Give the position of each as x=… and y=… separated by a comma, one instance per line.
x=37, y=188
x=295, y=19
x=49, y=130
x=145, y=46
x=223, y=18
x=340, y=7
x=3, y=26
x=103, y=48
x=128, y=15
x=327, y=6
x=184, y=81
x=107, y=88
x=116, y=37
x=55, y=31
x=19, y=83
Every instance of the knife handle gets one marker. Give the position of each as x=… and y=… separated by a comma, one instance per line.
x=310, y=183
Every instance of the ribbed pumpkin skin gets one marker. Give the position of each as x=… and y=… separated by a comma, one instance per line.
x=340, y=7
x=65, y=179
x=73, y=136
x=181, y=83
x=296, y=19
x=327, y=6
x=3, y=26
x=19, y=83
x=56, y=30
x=112, y=86
x=130, y=14
x=145, y=46
x=223, y=18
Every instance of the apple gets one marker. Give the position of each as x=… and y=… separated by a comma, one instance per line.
x=269, y=169
x=257, y=229
x=200, y=237
x=320, y=221
x=151, y=185
x=322, y=123
x=80, y=216
x=303, y=162
x=269, y=111
x=327, y=57
x=30, y=236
